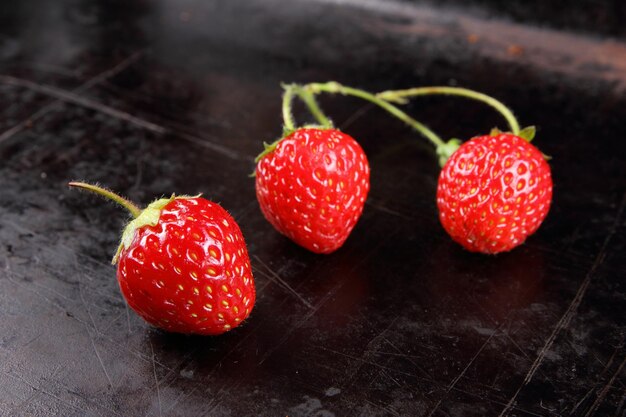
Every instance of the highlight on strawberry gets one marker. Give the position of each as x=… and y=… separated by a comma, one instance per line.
x=183, y=265
x=493, y=192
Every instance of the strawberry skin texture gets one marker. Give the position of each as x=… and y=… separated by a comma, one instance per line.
x=190, y=273
x=493, y=193
x=312, y=187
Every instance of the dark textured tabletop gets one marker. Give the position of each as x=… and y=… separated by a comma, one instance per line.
x=155, y=97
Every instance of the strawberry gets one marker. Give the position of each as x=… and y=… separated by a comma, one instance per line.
x=493, y=192
x=312, y=187
x=183, y=265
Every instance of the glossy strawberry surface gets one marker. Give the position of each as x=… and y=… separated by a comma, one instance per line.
x=312, y=187
x=494, y=192
x=189, y=273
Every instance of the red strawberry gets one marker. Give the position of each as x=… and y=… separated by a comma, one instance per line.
x=183, y=266
x=494, y=192
x=312, y=187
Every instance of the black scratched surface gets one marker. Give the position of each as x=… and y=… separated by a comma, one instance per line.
x=155, y=97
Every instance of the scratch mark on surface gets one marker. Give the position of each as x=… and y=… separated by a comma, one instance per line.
x=139, y=163
x=382, y=407
x=110, y=324
x=35, y=283
x=242, y=213
x=374, y=364
x=54, y=377
x=304, y=319
x=460, y=375
x=355, y=116
x=18, y=408
x=272, y=274
x=91, y=338
x=407, y=357
x=110, y=73
x=621, y=404
x=104, y=369
x=56, y=104
x=156, y=380
x=10, y=274
x=24, y=403
x=506, y=331
x=213, y=405
x=182, y=395
x=430, y=380
x=367, y=353
x=605, y=390
x=210, y=145
x=32, y=340
x=392, y=378
x=128, y=317
x=82, y=299
x=387, y=210
x=39, y=389
x=592, y=389
x=517, y=346
x=70, y=97
x=571, y=310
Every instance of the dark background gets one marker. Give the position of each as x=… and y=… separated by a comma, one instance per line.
x=155, y=97
x=592, y=17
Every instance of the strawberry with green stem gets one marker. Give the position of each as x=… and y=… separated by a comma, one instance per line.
x=494, y=190
x=312, y=183
x=182, y=264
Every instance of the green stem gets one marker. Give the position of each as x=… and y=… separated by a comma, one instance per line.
x=288, y=120
x=291, y=90
x=134, y=210
x=309, y=99
x=336, y=88
x=399, y=96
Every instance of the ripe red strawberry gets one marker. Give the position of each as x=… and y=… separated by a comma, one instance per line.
x=312, y=187
x=183, y=266
x=494, y=192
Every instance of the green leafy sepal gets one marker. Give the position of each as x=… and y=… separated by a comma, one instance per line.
x=446, y=150
x=148, y=217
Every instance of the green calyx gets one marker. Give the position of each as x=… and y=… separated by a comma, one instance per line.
x=148, y=217
x=445, y=150
x=528, y=133
x=269, y=147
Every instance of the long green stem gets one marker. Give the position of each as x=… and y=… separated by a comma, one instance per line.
x=399, y=96
x=336, y=88
x=134, y=210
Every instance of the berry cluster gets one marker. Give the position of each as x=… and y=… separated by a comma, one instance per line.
x=183, y=265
